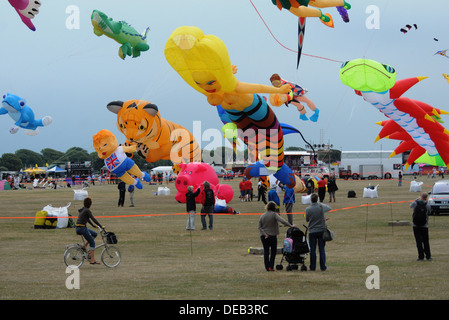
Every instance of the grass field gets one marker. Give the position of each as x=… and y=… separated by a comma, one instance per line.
x=161, y=260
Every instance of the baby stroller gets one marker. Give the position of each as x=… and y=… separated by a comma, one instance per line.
x=294, y=249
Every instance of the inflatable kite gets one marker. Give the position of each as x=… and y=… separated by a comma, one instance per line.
x=295, y=97
x=445, y=76
x=301, y=9
x=203, y=62
x=116, y=160
x=27, y=10
x=155, y=138
x=194, y=174
x=23, y=115
x=407, y=28
x=411, y=121
x=133, y=43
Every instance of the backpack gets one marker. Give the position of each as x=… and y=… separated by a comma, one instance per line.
x=351, y=194
x=287, y=245
x=420, y=214
x=209, y=198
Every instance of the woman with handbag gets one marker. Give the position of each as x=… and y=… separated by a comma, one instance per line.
x=315, y=216
x=269, y=230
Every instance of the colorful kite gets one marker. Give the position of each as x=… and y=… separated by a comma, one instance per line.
x=442, y=53
x=23, y=115
x=27, y=10
x=412, y=122
x=203, y=62
x=301, y=9
x=133, y=43
x=156, y=138
x=445, y=76
x=116, y=160
x=295, y=97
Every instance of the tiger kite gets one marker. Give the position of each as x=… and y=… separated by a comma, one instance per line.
x=155, y=138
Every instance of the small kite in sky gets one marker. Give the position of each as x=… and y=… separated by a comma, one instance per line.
x=442, y=53
x=133, y=43
x=408, y=27
x=446, y=77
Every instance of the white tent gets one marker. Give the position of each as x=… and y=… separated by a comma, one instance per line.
x=162, y=169
x=56, y=169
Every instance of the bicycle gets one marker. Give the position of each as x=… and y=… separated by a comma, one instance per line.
x=75, y=255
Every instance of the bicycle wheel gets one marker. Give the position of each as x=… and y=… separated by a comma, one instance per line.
x=111, y=257
x=74, y=257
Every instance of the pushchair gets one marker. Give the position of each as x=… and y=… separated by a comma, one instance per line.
x=295, y=248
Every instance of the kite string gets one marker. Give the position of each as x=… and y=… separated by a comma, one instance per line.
x=274, y=37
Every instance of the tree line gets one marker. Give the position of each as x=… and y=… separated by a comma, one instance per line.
x=24, y=158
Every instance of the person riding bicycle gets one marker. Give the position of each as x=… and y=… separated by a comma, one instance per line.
x=85, y=216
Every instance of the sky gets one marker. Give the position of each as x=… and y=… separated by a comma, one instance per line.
x=71, y=74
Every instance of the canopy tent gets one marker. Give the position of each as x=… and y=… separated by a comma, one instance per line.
x=34, y=170
x=56, y=169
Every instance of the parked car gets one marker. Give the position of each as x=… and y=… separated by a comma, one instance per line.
x=439, y=197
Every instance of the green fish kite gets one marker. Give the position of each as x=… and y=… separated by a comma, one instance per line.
x=133, y=43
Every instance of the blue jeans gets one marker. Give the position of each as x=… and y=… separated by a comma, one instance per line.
x=314, y=239
x=88, y=234
x=209, y=210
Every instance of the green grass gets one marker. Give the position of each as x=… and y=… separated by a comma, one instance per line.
x=161, y=260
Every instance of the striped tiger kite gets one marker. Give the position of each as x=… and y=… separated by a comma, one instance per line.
x=155, y=138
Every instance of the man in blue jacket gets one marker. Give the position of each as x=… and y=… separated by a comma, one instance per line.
x=289, y=200
x=273, y=196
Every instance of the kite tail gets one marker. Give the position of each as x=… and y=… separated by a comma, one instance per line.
x=343, y=13
x=145, y=35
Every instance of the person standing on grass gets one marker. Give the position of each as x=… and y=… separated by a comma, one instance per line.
x=322, y=183
x=289, y=200
x=269, y=230
x=421, y=226
x=191, y=206
x=332, y=188
x=315, y=216
x=273, y=196
x=131, y=194
x=208, y=201
x=121, y=193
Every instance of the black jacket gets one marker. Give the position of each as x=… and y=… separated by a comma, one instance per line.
x=190, y=200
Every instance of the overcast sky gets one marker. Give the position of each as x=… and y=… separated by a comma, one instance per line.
x=71, y=74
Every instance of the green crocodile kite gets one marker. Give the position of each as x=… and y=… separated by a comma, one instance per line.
x=132, y=42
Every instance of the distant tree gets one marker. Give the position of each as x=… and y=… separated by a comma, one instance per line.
x=294, y=149
x=11, y=161
x=76, y=154
x=51, y=155
x=30, y=158
x=97, y=163
x=331, y=155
